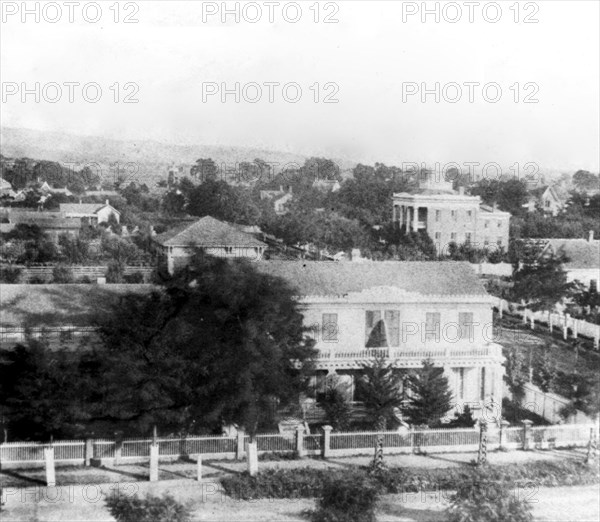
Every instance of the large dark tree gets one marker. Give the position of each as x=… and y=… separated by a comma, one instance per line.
x=430, y=397
x=221, y=344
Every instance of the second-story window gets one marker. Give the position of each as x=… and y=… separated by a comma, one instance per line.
x=438, y=215
x=453, y=214
x=468, y=237
x=382, y=328
x=432, y=326
x=469, y=214
x=330, y=328
x=453, y=236
x=465, y=321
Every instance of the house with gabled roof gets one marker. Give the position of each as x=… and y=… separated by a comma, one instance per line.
x=94, y=213
x=554, y=200
x=583, y=258
x=6, y=189
x=209, y=236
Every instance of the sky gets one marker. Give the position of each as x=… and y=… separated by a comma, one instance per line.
x=373, y=59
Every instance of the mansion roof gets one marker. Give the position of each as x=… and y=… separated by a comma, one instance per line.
x=79, y=304
x=326, y=278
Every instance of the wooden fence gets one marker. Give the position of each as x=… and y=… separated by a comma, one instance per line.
x=564, y=322
x=327, y=443
x=44, y=272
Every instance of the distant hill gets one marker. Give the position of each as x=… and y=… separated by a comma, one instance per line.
x=152, y=157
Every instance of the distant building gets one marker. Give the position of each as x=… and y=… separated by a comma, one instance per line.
x=583, y=258
x=210, y=236
x=449, y=216
x=279, y=197
x=327, y=185
x=554, y=200
x=94, y=213
x=47, y=189
x=53, y=224
x=6, y=189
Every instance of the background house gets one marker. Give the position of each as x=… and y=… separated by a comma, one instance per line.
x=583, y=256
x=554, y=200
x=210, y=236
x=279, y=197
x=94, y=213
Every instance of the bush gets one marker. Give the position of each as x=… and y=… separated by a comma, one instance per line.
x=62, y=274
x=309, y=482
x=135, y=279
x=10, y=275
x=482, y=499
x=150, y=509
x=352, y=498
x=114, y=272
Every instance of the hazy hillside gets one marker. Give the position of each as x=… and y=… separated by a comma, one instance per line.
x=152, y=157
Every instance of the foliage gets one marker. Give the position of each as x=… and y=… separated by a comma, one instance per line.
x=583, y=393
x=149, y=509
x=585, y=180
x=380, y=389
x=217, y=345
x=309, y=482
x=509, y=195
x=115, y=272
x=136, y=278
x=62, y=274
x=335, y=404
x=545, y=371
x=464, y=419
x=74, y=250
x=515, y=373
x=347, y=500
x=10, y=275
x=430, y=397
x=540, y=282
x=481, y=499
x=44, y=392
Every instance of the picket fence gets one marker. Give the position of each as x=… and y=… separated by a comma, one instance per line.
x=564, y=322
x=327, y=444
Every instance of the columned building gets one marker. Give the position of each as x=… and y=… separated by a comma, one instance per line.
x=450, y=216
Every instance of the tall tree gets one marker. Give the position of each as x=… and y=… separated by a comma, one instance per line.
x=540, y=281
x=218, y=345
x=430, y=397
x=380, y=389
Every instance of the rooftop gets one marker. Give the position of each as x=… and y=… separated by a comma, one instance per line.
x=56, y=305
x=326, y=278
x=82, y=208
x=207, y=232
x=580, y=252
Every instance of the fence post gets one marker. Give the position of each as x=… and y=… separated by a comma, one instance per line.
x=592, y=449
x=154, y=457
x=300, y=451
x=199, y=468
x=482, y=454
x=527, y=434
x=500, y=308
x=326, y=441
x=118, y=451
x=49, y=462
x=502, y=436
x=239, y=450
x=532, y=319
x=550, y=321
x=89, y=451
x=565, y=327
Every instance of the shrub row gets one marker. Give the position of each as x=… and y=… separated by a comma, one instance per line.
x=308, y=482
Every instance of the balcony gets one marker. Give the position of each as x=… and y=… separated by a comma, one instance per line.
x=410, y=357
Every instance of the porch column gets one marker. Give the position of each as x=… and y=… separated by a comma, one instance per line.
x=415, y=218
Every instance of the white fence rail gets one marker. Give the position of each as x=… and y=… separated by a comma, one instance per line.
x=563, y=322
x=328, y=444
